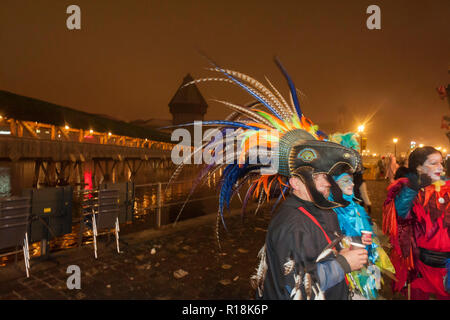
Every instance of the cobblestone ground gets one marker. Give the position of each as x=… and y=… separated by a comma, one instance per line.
x=181, y=262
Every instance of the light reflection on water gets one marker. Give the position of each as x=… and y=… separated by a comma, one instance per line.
x=5, y=181
x=145, y=211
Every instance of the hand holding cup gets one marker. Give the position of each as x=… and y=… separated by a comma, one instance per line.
x=356, y=256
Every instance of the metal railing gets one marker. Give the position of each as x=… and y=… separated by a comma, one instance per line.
x=160, y=204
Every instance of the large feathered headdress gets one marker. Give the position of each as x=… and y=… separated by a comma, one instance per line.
x=346, y=139
x=291, y=140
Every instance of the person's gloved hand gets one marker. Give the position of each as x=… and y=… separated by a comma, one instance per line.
x=417, y=182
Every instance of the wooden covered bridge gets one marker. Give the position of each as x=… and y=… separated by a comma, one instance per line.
x=61, y=140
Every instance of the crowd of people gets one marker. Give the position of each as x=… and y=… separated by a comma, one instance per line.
x=416, y=218
x=320, y=242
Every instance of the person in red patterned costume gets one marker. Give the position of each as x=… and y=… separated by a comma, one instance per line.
x=416, y=216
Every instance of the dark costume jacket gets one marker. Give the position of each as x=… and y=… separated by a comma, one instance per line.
x=292, y=235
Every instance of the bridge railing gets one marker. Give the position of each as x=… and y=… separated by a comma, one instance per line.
x=28, y=129
x=160, y=199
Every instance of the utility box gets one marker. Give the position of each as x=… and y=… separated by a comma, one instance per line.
x=126, y=199
x=51, y=212
x=14, y=219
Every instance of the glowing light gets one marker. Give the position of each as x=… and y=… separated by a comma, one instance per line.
x=421, y=145
x=66, y=127
x=109, y=133
x=91, y=131
x=88, y=180
x=395, y=140
x=361, y=128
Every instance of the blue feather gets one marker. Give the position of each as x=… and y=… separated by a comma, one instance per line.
x=291, y=87
x=217, y=122
x=279, y=198
x=225, y=190
x=321, y=133
x=231, y=174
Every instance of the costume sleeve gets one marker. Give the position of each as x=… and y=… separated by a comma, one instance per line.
x=330, y=273
x=404, y=201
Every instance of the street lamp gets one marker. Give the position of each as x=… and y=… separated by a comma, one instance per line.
x=360, y=131
x=395, y=140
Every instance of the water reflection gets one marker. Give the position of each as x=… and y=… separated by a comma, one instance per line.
x=5, y=181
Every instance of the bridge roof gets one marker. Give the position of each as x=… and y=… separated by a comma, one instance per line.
x=29, y=109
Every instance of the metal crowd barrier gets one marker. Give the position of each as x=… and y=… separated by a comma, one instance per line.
x=14, y=222
x=49, y=213
x=101, y=207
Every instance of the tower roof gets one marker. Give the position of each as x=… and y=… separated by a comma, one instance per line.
x=188, y=95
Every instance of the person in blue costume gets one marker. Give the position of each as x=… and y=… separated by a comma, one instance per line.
x=353, y=220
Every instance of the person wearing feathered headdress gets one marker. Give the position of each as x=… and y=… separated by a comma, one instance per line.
x=300, y=259
x=416, y=217
x=354, y=221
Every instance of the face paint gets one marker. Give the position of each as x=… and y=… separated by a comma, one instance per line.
x=346, y=184
x=432, y=167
